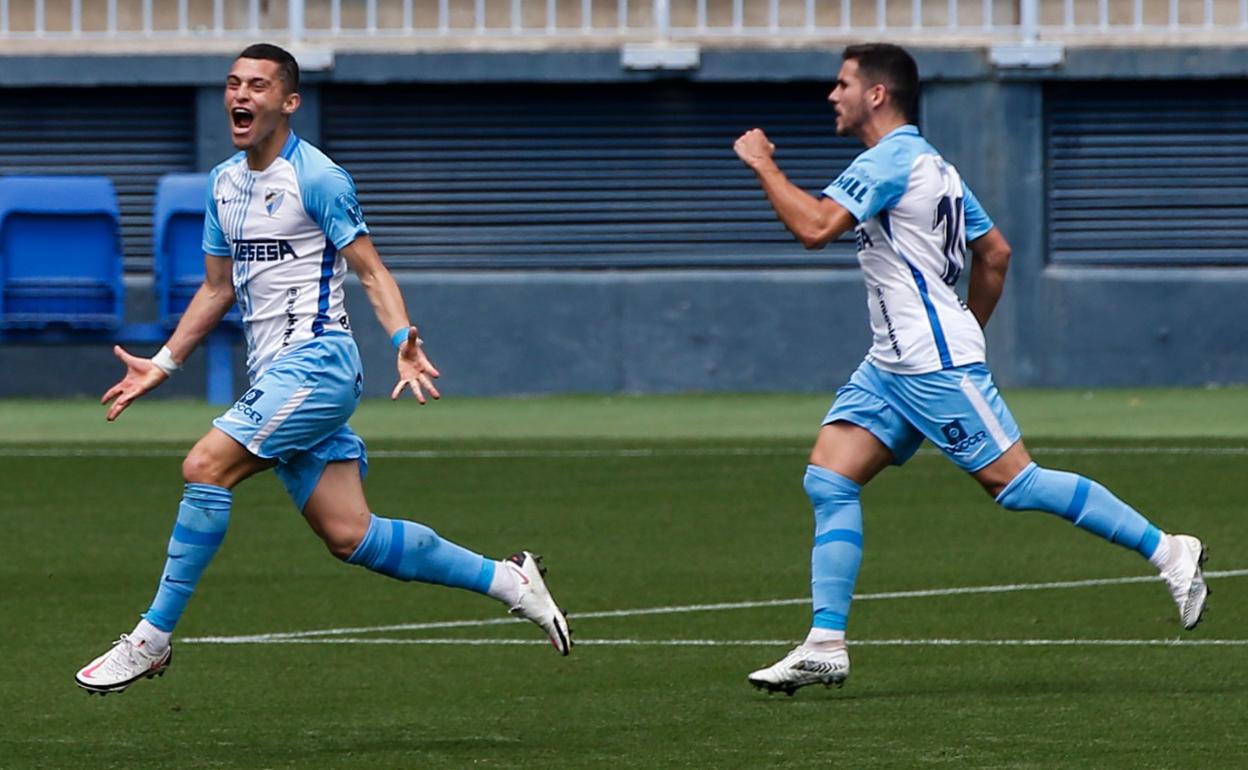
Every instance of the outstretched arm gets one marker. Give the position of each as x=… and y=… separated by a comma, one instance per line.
x=211, y=302
x=990, y=259
x=416, y=372
x=815, y=222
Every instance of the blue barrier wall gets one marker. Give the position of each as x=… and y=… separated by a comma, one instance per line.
x=638, y=331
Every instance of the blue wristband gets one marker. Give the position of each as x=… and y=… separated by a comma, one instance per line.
x=399, y=337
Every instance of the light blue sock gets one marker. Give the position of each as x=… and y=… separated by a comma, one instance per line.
x=407, y=550
x=202, y=520
x=1083, y=502
x=837, y=552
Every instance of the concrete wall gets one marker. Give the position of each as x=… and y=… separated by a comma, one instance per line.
x=662, y=331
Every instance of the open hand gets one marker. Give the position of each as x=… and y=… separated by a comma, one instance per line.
x=141, y=376
x=416, y=371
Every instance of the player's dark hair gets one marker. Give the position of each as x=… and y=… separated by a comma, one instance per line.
x=287, y=66
x=893, y=66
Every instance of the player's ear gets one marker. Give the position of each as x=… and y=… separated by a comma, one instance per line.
x=290, y=104
x=876, y=94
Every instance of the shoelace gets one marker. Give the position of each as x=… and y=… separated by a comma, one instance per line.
x=129, y=649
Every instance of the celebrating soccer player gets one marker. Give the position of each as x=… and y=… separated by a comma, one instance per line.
x=281, y=228
x=924, y=376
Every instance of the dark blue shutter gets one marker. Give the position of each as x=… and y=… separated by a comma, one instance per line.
x=580, y=176
x=1148, y=173
x=132, y=136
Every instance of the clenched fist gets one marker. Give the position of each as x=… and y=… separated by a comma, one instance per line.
x=754, y=148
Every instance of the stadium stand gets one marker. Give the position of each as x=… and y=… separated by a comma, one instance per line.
x=60, y=253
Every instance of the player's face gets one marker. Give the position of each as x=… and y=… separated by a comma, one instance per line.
x=256, y=101
x=851, y=98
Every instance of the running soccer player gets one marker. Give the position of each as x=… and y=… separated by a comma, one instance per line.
x=924, y=375
x=282, y=226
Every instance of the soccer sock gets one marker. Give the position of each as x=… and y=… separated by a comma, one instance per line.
x=837, y=551
x=824, y=638
x=202, y=520
x=407, y=550
x=1083, y=502
x=151, y=635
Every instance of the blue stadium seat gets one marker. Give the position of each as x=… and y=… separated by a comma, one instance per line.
x=178, y=232
x=60, y=253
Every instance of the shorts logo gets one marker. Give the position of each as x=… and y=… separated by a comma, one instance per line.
x=359, y=385
x=954, y=432
x=245, y=404
x=959, y=441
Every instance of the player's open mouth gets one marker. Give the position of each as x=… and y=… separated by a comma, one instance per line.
x=241, y=118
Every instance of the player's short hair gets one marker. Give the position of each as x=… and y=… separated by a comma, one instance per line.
x=288, y=68
x=893, y=66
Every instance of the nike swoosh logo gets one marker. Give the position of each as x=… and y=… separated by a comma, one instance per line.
x=520, y=574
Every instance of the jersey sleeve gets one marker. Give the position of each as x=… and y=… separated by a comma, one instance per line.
x=875, y=181
x=978, y=223
x=329, y=198
x=214, y=237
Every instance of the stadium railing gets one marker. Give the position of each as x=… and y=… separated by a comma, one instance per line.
x=609, y=22
x=61, y=268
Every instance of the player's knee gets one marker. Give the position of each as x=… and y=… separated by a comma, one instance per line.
x=200, y=467
x=1017, y=493
x=826, y=486
x=343, y=539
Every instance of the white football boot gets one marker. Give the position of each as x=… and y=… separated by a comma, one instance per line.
x=127, y=662
x=803, y=666
x=536, y=603
x=1185, y=579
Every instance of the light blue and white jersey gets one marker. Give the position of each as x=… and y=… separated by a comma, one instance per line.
x=283, y=227
x=915, y=216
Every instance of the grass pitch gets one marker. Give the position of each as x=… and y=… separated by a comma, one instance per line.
x=660, y=504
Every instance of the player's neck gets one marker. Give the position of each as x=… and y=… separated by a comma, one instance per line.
x=262, y=155
x=880, y=127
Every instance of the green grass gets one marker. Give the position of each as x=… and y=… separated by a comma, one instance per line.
x=693, y=522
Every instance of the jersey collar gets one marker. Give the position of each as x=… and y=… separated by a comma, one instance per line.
x=288, y=149
x=908, y=129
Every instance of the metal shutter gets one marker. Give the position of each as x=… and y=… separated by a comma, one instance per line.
x=580, y=176
x=132, y=136
x=1148, y=173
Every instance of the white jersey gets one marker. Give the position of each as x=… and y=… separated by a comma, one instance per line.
x=915, y=216
x=283, y=227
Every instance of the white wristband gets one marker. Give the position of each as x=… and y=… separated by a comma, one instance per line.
x=164, y=361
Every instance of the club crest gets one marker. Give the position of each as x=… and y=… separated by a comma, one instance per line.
x=273, y=200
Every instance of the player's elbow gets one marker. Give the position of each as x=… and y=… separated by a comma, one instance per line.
x=815, y=237
x=812, y=243
x=998, y=260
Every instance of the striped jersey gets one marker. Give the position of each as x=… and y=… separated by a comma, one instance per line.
x=915, y=216
x=283, y=227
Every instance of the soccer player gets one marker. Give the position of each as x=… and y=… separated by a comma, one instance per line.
x=282, y=226
x=924, y=375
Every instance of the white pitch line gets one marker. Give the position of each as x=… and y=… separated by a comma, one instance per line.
x=741, y=642
x=608, y=453
x=686, y=608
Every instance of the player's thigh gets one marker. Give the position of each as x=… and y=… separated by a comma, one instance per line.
x=961, y=411
x=220, y=460
x=863, y=433
x=304, y=397
x=850, y=450
x=337, y=510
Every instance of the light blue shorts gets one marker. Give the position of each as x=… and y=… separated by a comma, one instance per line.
x=296, y=413
x=958, y=410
